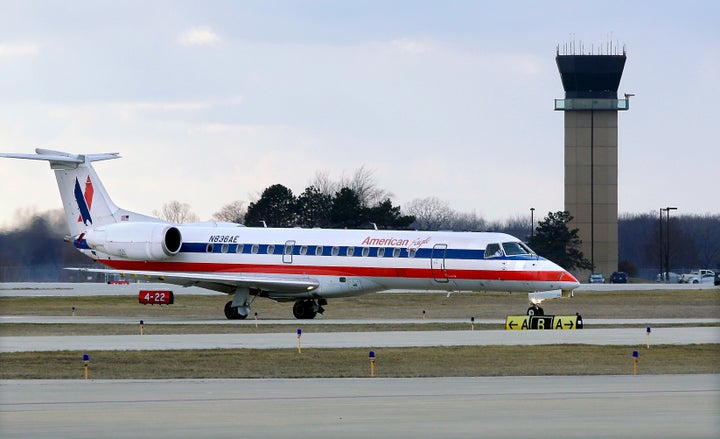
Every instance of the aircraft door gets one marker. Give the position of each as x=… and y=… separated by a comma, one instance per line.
x=437, y=263
x=287, y=256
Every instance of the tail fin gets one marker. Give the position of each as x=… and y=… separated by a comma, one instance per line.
x=86, y=202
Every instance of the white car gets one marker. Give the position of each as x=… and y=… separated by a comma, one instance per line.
x=698, y=277
x=597, y=278
x=704, y=279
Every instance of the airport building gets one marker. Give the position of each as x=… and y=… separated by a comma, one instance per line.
x=590, y=109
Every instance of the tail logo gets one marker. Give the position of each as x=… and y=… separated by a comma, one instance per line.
x=84, y=201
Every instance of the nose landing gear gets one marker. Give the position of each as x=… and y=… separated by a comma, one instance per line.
x=535, y=310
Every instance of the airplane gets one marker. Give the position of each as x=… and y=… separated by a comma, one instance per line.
x=300, y=265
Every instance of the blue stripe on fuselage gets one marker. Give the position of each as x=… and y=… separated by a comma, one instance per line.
x=327, y=250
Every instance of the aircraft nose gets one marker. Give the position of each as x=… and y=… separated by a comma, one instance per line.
x=570, y=282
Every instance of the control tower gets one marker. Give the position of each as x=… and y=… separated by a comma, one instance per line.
x=591, y=108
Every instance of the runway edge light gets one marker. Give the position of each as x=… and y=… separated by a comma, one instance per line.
x=86, y=363
x=635, y=355
x=371, y=356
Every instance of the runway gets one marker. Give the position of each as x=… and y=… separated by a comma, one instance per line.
x=375, y=339
x=657, y=406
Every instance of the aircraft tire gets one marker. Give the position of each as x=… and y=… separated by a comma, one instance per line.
x=304, y=310
x=535, y=311
x=232, y=313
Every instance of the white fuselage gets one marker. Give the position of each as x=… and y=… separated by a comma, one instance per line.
x=352, y=262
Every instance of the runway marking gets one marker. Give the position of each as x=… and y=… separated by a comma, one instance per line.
x=523, y=395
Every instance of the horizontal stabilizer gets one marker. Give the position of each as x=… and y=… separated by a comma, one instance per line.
x=62, y=157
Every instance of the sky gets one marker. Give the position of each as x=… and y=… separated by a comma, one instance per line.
x=210, y=102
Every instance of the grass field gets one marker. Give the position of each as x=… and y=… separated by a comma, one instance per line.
x=395, y=362
x=339, y=363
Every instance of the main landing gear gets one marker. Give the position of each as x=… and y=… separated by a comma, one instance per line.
x=535, y=310
x=303, y=309
x=308, y=308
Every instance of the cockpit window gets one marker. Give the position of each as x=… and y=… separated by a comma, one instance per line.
x=516, y=248
x=493, y=251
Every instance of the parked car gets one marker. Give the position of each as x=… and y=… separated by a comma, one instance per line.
x=717, y=278
x=698, y=277
x=597, y=278
x=618, y=277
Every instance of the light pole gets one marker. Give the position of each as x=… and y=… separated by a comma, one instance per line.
x=663, y=276
x=532, y=221
x=667, y=239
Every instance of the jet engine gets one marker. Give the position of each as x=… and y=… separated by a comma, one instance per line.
x=135, y=240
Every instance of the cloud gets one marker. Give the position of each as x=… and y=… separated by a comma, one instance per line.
x=199, y=36
x=18, y=49
x=410, y=46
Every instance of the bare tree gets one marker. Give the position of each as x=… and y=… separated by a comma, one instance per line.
x=176, y=212
x=362, y=183
x=324, y=184
x=463, y=221
x=233, y=212
x=430, y=213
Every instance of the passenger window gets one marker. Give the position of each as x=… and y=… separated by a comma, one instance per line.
x=351, y=251
x=318, y=250
x=493, y=251
x=412, y=253
x=209, y=248
x=254, y=249
x=270, y=249
x=303, y=250
x=365, y=251
x=381, y=252
x=335, y=251
x=224, y=248
x=396, y=253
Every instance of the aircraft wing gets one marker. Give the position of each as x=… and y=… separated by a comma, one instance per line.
x=222, y=282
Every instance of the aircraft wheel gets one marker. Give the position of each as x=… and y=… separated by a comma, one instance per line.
x=232, y=313
x=535, y=311
x=304, y=309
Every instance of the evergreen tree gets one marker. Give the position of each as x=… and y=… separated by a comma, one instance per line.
x=387, y=216
x=556, y=242
x=313, y=208
x=276, y=207
x=347, y=211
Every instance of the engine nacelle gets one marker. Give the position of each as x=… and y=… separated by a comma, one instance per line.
x=135, y=240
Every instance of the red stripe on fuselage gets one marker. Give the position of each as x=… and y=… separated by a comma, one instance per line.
x=369, y=272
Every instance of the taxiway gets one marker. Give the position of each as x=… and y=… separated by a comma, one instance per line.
x=375, y=339
x=657, y=406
